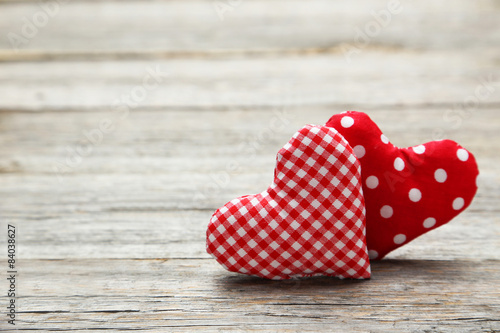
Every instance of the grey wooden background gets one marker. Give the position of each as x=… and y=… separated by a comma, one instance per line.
x=111, y=183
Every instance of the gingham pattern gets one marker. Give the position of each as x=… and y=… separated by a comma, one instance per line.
x=310, y=221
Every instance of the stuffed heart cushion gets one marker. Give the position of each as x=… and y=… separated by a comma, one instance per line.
x=408, y=191
x=310, y=221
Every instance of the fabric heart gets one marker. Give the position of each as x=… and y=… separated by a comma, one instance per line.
x=408, y=191
x=310, y=221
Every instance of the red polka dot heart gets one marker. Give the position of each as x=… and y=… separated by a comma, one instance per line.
x=408, y=191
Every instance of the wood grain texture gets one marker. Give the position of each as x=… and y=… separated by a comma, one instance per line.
x=111, y=207
x=161, y=180
x=195, y=25
x=440, y=77
x=197, y=295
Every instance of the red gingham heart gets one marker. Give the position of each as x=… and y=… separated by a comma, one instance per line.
x=408, y=191
x=310, y=221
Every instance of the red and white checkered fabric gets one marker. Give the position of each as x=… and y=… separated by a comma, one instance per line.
x=310, y=221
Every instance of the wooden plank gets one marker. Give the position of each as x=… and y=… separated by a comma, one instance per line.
x=187, y=295
x=117, y=241
x=196, y=26
x=371, y=78
x=167, y=144
x=150, y=193
x=146, y=233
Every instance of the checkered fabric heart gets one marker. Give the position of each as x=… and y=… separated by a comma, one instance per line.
x=310, y=221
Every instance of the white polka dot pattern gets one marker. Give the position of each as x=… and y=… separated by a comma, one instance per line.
x=440, y=175
x=373, y=254
x=359, y=151
x=399, y=239
x=463, y=155
x=419, y=149
x=372, y=182
x=347, y=122
x=415, y=195
x=458, y=203
x=408, y=191
x=399, y=164
x=429, y=222
x=386, y=212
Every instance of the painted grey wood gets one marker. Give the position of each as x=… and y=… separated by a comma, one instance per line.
x=370, y=78
x=149, y=188
x=115, y=241
x=195, y=26
x=197, y=295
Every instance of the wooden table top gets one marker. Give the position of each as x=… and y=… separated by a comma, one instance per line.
x=118, y=120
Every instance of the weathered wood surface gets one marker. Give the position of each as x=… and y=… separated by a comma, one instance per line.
x=439, y=78
x=161, y=180
x=132, y=27
x=184, y=295
x=114, y=240
x=133, y=197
